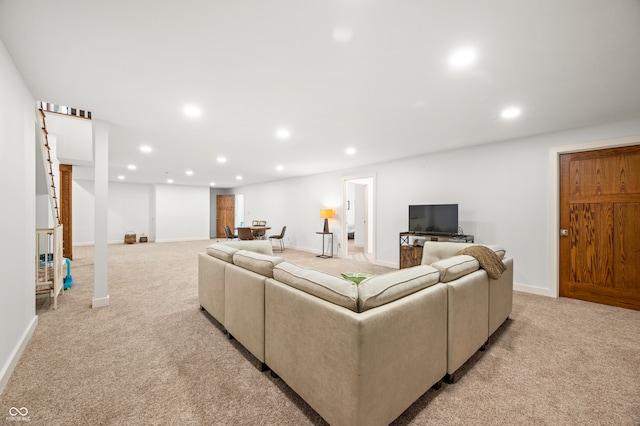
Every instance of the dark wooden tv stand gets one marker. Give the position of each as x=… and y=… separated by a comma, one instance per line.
x=411, y=245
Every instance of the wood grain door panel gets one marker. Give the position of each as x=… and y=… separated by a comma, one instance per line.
x=225, y=213
x=66, y=208
x=600, y=208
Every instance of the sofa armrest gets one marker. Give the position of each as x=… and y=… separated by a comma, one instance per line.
x=356, y=368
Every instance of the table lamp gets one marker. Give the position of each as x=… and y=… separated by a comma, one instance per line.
x=326, y=214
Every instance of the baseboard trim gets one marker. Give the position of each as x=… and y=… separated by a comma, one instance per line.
x=7, y=370
x=100, y=302
x=385, y=263
x=523, y=288
x=179, y=240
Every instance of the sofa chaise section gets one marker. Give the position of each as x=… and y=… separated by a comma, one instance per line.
x=477, y=304
x=211, y=283
x=356, y=368
x=211, y=273
x=244, y=302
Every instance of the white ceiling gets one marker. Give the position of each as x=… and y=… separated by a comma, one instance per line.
x=254, y=66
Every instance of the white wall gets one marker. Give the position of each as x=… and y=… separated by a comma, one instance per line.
x=74, y=136
x=17, y=245
x=182, y=213
x=502, y=188
x=129, y=210
x=296, y=204
x=161, y=212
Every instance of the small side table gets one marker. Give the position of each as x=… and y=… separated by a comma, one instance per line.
x=324, y=254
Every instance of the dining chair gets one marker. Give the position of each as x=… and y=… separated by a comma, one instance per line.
x=279, y=237
x=245, y=234
x=259, y=234
x=230, y=235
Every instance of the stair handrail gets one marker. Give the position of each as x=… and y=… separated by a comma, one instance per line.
x=47, y=163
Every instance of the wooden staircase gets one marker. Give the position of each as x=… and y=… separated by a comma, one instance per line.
x=49, y=259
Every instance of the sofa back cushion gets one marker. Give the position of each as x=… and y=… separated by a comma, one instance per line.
x=257, y=246
x=327, y=287
x=221, y=252
x=433, y=251
x=386, y=288
x=259, y=263
x=455, y=267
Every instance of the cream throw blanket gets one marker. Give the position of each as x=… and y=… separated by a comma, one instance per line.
x=488, y=260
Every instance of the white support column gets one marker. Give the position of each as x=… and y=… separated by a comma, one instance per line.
x=101, y=195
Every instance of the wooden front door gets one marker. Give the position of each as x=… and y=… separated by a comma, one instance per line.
x=600, y=226
x=225, y=213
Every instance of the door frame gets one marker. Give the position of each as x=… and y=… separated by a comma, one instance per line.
x=370, y=239
x=554, y=203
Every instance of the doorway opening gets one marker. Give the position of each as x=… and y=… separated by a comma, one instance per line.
x=359, y=214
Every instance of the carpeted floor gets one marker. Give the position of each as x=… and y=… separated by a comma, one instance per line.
x=153, y=357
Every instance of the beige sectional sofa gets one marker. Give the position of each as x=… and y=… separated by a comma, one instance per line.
x=477, y=304
x=357, y=354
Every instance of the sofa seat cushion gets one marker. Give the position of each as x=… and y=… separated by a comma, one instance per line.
x=259, y=263
x=327, y=287
x=455, y=267
x=221, y=252
x=386, y=288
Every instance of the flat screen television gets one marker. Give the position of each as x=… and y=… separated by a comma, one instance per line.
x=437, y=219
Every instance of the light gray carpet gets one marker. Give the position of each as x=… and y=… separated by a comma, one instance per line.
x=153, y=357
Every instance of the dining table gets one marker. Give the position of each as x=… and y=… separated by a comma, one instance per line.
x=257, y=230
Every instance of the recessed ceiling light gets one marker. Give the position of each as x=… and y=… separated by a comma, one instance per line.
x=279, y=168
x=169, y=180
x=189, y=172
x=212, y=184
x=192, y=111
x=239, y=177
x=342, y=34
x=221, y=160
x=121, y=177
x=462, y=58
x=350, y=151
x=131, y=167
x=146, y=149
x=510, y=113
x=283, y=134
